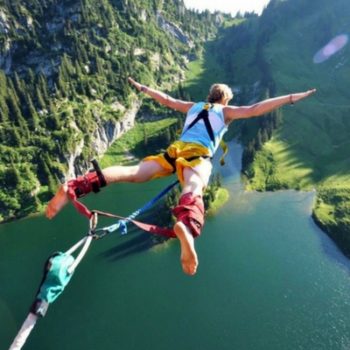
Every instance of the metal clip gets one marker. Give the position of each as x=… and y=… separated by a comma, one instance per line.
x=93, y=222
x=99, y=233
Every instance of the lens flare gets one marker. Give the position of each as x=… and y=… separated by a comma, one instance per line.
x=335, y=45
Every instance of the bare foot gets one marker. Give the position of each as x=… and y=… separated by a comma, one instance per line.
x=189, y=258
x=59, y=200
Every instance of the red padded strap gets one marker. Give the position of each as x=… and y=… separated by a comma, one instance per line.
x=154, y=229
x=82, y=209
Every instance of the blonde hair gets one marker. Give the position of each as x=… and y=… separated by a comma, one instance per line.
x=218, y=92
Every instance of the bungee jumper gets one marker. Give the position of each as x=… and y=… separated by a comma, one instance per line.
x=189, y=157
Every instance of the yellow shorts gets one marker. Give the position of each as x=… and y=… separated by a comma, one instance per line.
x=181, y=151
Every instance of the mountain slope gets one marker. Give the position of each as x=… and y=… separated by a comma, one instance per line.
x=273, y=55
x=64, y=96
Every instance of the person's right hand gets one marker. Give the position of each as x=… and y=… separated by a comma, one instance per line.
x=137, y=85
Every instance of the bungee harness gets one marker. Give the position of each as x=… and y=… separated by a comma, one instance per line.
x=203, y=115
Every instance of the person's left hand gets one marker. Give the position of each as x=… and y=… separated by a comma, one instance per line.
x=301, y=95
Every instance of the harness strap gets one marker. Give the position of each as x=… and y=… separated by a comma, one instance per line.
x=224, y=148
x=204, y=115
x=154, y=229
x=80, y=207
x=98, y=170
x=172, y=161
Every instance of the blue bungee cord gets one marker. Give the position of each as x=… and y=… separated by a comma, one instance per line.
x=121, y=224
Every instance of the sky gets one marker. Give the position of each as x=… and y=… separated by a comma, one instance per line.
x=232, y=6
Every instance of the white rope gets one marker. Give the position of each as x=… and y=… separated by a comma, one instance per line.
x=24, y=332
x=86, y=241
x=82, y=253
x=31, y=319
x=71, y=250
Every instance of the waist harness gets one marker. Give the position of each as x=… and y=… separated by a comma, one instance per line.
x=172, y=161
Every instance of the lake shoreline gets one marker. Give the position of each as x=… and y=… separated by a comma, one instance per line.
x=330, y=227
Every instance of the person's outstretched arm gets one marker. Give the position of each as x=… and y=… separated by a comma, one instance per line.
x=263, y=107
x=162, y=98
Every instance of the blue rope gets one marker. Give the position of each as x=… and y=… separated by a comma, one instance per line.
x=122, y=224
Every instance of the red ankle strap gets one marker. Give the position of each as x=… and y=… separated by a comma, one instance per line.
x=85, y=184
x=90, y=182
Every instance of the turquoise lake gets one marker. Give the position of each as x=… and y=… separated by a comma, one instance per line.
x=268, y=278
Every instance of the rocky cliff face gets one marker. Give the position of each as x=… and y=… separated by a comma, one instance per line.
x=174, y=30
x=6, y=47
x=104, y=135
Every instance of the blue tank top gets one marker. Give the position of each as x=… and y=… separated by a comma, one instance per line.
x=198, y=132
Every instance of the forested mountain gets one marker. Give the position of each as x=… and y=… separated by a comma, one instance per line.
x=64, y=95
x=306, y=146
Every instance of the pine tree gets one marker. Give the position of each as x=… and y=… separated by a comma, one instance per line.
x=33, y=119
x=83, y=57
x=2, y=117
x=12, y=176
x=12, y=90
x=52, y=185
x=19, y=86
x=15, y=113
x=3, y=83
x=4, y=108
x=78, y=71
x=61, y=83
x=18, y=83
x=99, y=64
x=84, y=11
x=3, y=136
x=31, y=78
x=43, y=88
x=67, y=67
x=13, y=137
x=58, y=94
x=40, y=99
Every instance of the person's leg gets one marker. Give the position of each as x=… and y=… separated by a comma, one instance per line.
x=192, y=184
x=137, y=173
x=142, y=172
